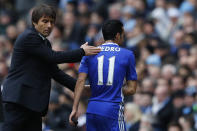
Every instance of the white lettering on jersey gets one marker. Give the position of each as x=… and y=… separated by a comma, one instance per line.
x=107, y=48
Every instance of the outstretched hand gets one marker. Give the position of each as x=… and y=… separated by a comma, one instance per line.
x=90, y=50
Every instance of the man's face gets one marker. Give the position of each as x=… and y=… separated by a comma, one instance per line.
x=44, y=25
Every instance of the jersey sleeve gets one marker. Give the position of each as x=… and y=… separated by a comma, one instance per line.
x=83, y=68
x=131, y=71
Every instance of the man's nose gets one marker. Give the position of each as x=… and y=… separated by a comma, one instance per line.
x=49, y=24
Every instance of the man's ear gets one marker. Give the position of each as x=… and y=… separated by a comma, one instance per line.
x=117, y=36
x=34, y=24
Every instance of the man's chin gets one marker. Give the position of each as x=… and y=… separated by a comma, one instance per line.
x=45, y=35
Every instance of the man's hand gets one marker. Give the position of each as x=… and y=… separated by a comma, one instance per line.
x=90, y=50
x=77, y=95
x=130, y=88
x=73, y=118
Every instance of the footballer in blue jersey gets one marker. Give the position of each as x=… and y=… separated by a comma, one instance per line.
x=106, y=72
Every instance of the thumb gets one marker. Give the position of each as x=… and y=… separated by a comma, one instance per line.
x=86, y=43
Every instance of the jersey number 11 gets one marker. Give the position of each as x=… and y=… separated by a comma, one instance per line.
x=110, y=70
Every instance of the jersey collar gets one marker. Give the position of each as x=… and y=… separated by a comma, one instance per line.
x=110, y=43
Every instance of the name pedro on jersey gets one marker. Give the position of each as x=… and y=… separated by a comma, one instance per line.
x=108, y=48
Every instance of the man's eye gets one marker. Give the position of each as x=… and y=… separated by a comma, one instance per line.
x=45, y=21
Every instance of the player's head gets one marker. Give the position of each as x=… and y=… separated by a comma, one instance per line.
x=43, y=19
x=113, y=30
x=174, y=126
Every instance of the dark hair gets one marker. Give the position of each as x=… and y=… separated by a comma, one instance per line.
x=110, y=28
x=176, y=124
x=43, y=10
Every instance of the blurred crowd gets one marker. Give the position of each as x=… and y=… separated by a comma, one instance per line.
x=161, y=33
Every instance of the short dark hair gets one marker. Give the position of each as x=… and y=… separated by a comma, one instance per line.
x=43, y=10
x=175, y=124
x=110, y=28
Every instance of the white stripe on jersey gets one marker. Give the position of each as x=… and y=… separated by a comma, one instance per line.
x=122, y=96
x=121, y=117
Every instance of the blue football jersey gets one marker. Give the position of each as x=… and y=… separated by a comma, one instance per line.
x=106, y=72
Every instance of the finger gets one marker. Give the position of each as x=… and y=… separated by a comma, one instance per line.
x=98, y=50
x=86, y=43
x=74, y=120
x=92, y=53
x=95, y=49
x=70, y=120
x=71, y=123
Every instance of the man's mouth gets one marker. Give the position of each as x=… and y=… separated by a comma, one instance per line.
x=46, y=31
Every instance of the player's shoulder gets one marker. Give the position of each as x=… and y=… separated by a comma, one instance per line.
x=127, y=51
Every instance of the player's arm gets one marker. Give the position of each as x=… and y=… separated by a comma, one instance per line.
x=130, y=88
x=131, y=76
x=77, y=94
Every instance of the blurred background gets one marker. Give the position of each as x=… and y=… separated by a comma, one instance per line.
x=161, y=33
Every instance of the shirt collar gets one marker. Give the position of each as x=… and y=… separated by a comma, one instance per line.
x=42, y=36
x=33, y=28
x=109, y=43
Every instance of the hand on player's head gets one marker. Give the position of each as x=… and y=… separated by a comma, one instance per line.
x=90, y=50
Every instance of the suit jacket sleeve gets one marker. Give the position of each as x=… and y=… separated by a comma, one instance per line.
x=64, y=79
x=35, y=46
x=1, y=108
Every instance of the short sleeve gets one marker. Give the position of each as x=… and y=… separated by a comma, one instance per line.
x=131, y=71
x=83, y=68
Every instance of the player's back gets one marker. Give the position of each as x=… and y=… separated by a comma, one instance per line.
x=106, y=72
